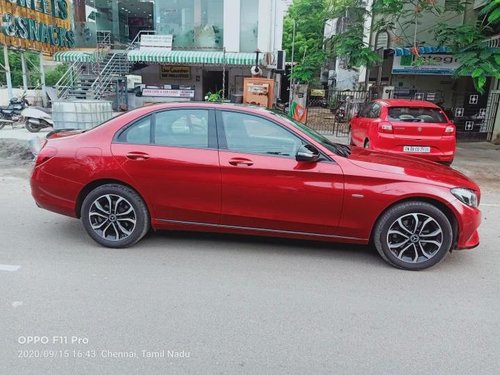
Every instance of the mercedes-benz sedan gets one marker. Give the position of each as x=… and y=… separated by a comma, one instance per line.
x=233, y=169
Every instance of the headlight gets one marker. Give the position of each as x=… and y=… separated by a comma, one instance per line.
x=466, y=196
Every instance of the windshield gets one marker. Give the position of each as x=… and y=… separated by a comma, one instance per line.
x=417, y=114
x=337, y=148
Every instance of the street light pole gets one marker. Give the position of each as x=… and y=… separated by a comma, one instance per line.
x=291, y=89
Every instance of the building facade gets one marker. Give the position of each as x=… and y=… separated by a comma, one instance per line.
x=433, y=78
x=213, y=43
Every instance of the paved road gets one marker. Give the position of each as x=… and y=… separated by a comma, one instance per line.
x=234, y=304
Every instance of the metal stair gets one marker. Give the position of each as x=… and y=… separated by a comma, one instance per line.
x=96, y=80
x=115, y=65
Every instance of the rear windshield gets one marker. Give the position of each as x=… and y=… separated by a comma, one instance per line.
x=416, y=114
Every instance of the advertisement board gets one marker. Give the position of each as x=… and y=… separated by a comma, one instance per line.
x=432, y=64
x=152, y=42
x=36, y=25
x=168, y=93
x=175, y=72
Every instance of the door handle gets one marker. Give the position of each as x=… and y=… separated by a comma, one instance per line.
x=137, y=156
x=241, y=161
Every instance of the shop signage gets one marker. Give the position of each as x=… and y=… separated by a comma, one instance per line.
x=42, y=25
x=168, y=93
x=432, y=64
x=151, y=42
x=175, y=72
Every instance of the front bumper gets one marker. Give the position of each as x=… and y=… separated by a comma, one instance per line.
x=469, y=219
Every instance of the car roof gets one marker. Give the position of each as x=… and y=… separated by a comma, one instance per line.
x=208, y=105
x=406, y=103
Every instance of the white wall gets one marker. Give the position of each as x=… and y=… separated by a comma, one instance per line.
x=232, y=25
x=265, y=40
x=34, y=96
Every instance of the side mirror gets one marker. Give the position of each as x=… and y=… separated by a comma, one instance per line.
x=307, y=153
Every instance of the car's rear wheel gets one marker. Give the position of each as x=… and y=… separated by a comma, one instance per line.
x=115, y=216
x=413, y=235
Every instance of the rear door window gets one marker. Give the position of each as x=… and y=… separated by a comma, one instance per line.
x=374, y=111
x=366, y=109
x=416, y=114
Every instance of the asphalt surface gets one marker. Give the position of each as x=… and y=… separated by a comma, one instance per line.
x=228, y=305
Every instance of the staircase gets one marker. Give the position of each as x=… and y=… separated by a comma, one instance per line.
x=84, y=80
x=115, y=65
x=96, y=81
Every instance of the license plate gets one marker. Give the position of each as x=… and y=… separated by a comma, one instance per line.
x=416, y=149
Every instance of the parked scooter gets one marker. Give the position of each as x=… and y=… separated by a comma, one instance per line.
x=12, y=113
x=36, y=118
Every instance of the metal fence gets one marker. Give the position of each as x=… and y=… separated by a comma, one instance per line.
x=330, y=114
x=473, y=114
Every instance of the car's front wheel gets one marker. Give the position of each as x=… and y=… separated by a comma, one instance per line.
x=115, y=216
x=413, y=235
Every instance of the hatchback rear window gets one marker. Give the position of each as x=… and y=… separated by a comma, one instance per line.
x=416, y=114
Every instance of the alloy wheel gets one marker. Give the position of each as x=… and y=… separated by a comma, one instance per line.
x=415, y=238
x=112, y=217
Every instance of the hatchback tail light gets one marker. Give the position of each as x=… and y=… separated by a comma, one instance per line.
x=449, y=130
x=385, y=127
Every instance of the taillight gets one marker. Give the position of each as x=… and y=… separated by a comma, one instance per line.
x=45, y=154
x=449, y=130
x=385, y=127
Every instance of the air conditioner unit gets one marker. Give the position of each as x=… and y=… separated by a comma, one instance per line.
x=280, y=61
x=387, y=92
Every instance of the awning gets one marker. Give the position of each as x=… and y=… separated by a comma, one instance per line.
x=72, y=56
x=192, y=57
x=421, y=50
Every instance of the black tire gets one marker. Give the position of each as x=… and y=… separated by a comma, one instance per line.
x=30, y=127
x=367, y=144
x=133, y=226
x=2, y=117
x=426, y=247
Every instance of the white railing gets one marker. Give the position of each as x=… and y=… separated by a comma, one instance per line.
x=69, y=79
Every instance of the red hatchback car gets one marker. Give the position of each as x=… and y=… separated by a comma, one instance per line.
x=233, y=169
x=411, y=127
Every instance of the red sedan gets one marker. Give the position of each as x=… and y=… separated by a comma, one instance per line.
x=410, y=127
x=232, y=169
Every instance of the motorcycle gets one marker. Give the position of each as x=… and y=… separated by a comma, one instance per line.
x=12, y=113
x=37, y=118
x=340, y=115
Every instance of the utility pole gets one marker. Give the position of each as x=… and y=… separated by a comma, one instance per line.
x=292, y=89
x=7, y=70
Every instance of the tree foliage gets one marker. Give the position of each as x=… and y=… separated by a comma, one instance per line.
x=468, y=41
x=32, y=64
x=308, y=17
x=16, y=69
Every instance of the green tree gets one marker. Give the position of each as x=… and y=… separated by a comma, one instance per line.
x=32, y=63
x=32, y=59
x=468, y=41
x=309, y=18
x=52, y=76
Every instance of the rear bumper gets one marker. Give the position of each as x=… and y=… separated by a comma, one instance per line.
x=442, y=149
x=54, y=193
